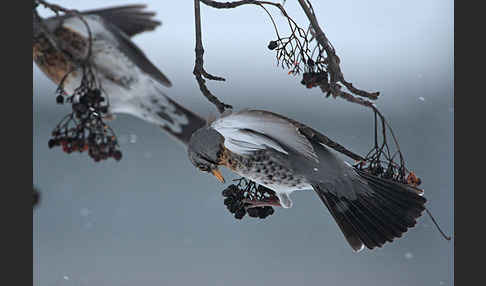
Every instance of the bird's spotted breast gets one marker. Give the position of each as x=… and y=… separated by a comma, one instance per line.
x=262, y=168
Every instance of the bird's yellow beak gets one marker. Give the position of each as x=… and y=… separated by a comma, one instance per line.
x=217, y=174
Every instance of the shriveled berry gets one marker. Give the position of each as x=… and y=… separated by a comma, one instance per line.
x=269, y=210
x=253, y=212
x=60, y=99
x=262, y=214
x=272, y=45
x=80, y=107
x=84, y=100
x=233, y=207
x=229, y=191
x=117, y=155
x=228, y=201
x=51, y=143
x=239, y=214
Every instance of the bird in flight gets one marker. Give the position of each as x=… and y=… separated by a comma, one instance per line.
x=131, y=82
x=282, y=155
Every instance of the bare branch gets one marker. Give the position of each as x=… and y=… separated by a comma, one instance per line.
x=332, y=59
x=199, y=71
x=293, y=51
x=229, y=5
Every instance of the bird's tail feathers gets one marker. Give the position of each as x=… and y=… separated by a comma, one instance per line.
x=381, y=211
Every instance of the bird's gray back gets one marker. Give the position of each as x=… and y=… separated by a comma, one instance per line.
x=331, y=172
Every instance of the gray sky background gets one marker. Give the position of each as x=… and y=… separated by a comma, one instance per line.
x=152, y=219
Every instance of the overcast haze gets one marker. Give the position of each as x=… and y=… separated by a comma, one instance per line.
x=153, y=219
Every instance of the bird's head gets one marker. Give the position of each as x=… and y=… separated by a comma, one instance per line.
x=205, y=151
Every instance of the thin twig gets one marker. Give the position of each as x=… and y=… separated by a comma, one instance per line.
x=291, y=58
x=199, y=71
x=295, y=49
x=56, y=9
x=446, y=237
x=332, y=59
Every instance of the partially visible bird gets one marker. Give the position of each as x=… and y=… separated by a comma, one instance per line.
x=283, y=155
x=132, y=83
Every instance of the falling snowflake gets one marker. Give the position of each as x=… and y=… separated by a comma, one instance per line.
x=408, y=255
x=88, y=225
x=84, y=212
x=132, y=138
x=421, y=98
x=147, y=155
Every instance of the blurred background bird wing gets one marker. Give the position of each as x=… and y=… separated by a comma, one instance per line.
x=130, y=19
x=115, y=31
x=111, y=29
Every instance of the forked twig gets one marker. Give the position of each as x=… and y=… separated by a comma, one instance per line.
x=199, y=72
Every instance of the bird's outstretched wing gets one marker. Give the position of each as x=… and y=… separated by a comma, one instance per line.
x=136, y=55
x=131, y=19
x=109, y=36
x=250, y=130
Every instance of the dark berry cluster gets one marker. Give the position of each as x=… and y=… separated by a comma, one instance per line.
x=260, y=212
x=234, y=201
x=84, y=129
x=272, y=45
x=35, y=196
x=391, y=172
x=100, y=145
x=312, y=78
x=238, y=195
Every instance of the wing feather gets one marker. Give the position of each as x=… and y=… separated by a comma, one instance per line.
x=103, y=32
x=250, y=130
x=131, y=19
